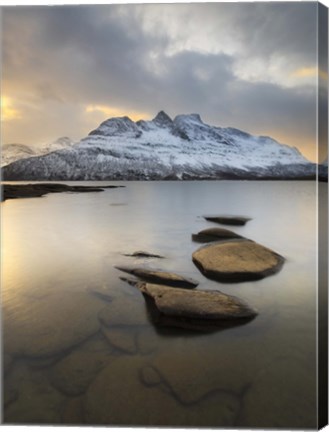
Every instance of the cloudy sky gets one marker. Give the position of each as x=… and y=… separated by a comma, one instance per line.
x=247, y=65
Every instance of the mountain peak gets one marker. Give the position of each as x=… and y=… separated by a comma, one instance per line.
x=65, y=141
x=189, y=117
x=183, y=148
x=196, y=117
x=116, y=126
x=162, y=119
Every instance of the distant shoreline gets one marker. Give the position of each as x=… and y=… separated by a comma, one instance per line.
x=38, y=190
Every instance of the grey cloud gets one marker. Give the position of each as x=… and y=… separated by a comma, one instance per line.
x=284, y=28
x=103, y=55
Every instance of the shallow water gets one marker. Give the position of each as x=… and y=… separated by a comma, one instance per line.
x=58, y=278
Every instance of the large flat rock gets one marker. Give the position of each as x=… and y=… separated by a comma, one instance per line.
x=197, y=304
x=214, y=234
x=237, y=261
x=159, y=277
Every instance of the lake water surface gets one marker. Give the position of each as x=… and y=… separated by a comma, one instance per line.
x=63, y=365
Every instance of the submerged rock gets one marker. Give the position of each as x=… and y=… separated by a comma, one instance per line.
x=196, y=372
x=160, y=277
x=122, y=321
x=122, y=338
x=147, y=340
x=228, y=220
x=150, y=376
x=131, y=339
x=290, y=403
x=51, y=325
x=213, y=234
x=37, y=402
x=143, y=254
x=237, y=261
x=128, y=393
x=73, y=374
x=101, y=294
x=39, y=363
x=124, y=312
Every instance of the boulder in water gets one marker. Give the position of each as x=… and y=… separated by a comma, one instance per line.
x=160, y=277
x=237, y=261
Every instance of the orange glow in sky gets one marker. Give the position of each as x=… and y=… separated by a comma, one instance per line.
x=8, y=112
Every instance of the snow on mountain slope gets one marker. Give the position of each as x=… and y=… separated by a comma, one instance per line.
x=13, y=152
x=59, y=144
x=183, y=148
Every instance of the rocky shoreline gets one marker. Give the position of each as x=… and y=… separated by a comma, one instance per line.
x=10, y=191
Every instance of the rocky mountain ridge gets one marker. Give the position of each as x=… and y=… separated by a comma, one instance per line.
x=13, y=152
x=163, y=148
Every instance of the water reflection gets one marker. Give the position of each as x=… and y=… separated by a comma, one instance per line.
x=72, y=356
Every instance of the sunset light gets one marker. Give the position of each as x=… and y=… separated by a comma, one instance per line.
x=8, y=112
x=115, y=112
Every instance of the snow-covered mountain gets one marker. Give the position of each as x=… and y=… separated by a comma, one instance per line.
x=59, y=144
x=14, y=152
x=183, y=148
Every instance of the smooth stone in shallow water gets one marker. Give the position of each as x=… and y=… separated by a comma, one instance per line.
x=228, y=220
x=143, y=254
x=237, y=261
x=50, y=325
x=214, y=234
x=160, y=277
x=197, y=304
x=118, y=396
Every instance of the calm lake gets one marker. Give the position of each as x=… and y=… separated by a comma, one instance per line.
x=64, y=366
